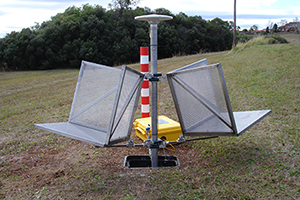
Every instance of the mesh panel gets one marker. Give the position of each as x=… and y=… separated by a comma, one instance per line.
x=218, y=89
x=94, y=95
x=128, y=98
x=192, y=111
x=201, y=101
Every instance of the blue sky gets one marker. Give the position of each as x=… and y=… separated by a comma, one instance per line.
x=18, y=14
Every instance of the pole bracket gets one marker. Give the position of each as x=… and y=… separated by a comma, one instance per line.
x=154, y=79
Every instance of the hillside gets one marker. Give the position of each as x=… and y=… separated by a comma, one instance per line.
x=263, y=163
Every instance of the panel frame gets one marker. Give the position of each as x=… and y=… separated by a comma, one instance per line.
x=91, y=134
x=136, y=89
x=236, y=118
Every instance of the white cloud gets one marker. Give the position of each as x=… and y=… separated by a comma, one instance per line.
x=16, y=14
x=176, y=6
x=18, y=18
x=255, y=4
x=207, y=6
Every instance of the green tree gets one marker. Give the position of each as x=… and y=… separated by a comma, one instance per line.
x=275, y=28
x=121, y=5
x=253, y=28
x=220, y=36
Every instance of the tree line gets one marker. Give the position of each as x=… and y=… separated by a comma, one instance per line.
x=110, y=37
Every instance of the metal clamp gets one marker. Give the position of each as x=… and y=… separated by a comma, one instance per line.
x=155, y=144
x=155, y=77
x=180, y=139
x=157, y=74
x=130, y=143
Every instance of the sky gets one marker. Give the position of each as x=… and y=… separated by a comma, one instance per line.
x=18, y=14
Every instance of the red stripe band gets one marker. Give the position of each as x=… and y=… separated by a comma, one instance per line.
x=145, y=115
x=144, y=67
x=145, y=100
x=145, y=84
x=144, y=51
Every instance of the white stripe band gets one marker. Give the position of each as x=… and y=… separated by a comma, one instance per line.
x=144, y=59
x=145, y=108
x=145, y=92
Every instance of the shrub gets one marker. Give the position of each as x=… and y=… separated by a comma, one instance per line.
x=242, y=38
x=263, y=33
x=278, y=38
x=260, y=40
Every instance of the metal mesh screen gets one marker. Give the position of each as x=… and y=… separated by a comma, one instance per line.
x=95, y=95
x=103, y=106
x=126, y=105
x=105, y=99
x=201, y=101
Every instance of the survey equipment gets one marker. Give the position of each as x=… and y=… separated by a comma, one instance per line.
x=106, y=98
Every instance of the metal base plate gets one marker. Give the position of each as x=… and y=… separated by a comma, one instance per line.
x=74, y=131
x=246, y=119
x=243, y=121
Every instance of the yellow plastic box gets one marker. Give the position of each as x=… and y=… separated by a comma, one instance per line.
x=168, y=129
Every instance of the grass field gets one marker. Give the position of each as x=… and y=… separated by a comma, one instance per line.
x=263, y=163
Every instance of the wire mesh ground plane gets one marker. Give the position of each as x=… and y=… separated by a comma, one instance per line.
x=103, y=106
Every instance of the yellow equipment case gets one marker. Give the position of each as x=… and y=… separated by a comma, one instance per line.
x=168, y=129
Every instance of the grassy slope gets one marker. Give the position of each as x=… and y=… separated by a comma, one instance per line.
x=261, y=164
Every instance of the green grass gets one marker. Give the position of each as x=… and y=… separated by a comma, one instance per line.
x=263, y=163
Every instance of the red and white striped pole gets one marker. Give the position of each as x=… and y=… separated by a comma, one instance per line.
x=144, y=52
